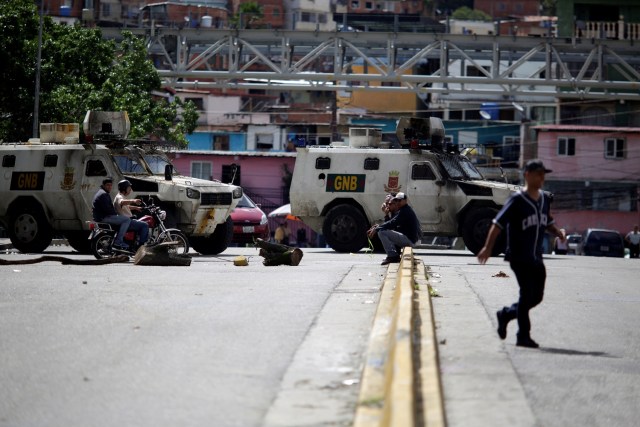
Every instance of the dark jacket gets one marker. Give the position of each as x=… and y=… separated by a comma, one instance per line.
x=525, y=221
x=102, y=205
x=406, y=222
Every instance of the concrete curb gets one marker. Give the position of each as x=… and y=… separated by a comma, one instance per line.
x=401, y=382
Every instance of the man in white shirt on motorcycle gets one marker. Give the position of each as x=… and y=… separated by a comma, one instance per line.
x=124, y=206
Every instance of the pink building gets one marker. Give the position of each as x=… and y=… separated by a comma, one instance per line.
x=264, y=176
x=596, y=175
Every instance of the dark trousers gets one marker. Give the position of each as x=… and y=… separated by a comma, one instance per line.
x=531, y=278
x=634, y=250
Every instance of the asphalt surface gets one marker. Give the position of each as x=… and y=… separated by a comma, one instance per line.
x=214, y=344
x=587, y=370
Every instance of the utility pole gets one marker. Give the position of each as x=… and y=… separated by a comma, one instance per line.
x=36, y=101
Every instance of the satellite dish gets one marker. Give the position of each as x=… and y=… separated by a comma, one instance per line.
x=485, y=115
x=518, y=107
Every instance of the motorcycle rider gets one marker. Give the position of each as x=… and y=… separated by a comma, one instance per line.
x=103, y=211
x=124, y=206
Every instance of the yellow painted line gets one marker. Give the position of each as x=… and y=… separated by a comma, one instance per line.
x=431, y=403
x=400, y=382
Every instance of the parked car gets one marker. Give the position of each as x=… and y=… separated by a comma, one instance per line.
x=573, y=242
x=598, y=242
x=249, y=222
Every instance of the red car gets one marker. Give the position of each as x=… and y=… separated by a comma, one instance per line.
x=249, y=222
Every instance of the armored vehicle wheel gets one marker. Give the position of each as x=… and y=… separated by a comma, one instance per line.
x=345, y=229
x=29, y=229
x=475, y=229
x=79, y=240
x=215, y=243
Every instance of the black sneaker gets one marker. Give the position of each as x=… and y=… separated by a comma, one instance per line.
x=389, y=260
x=502, y=324
x=526, y=342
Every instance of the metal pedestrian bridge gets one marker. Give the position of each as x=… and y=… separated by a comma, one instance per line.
x=447, y=64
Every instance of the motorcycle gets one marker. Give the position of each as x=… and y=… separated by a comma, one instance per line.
x=103, y=234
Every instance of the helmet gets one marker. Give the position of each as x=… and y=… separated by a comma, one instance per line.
x=123, y=185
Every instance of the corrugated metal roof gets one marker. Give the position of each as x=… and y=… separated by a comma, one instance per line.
x=583, y=128
x=238, y=153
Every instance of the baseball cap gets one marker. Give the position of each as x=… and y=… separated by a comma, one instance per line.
x=535, y=165
x=400, y=196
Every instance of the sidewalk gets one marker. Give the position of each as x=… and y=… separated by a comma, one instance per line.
x=481, y=387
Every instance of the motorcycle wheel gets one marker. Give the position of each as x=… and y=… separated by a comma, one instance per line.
x=101, y=246
x=177, y=236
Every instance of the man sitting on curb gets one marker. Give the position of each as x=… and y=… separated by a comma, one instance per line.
x=403, y=229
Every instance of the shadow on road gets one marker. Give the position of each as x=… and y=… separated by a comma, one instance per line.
x=570, y=352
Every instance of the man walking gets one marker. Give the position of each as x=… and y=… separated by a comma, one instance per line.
x=403, y=229
x=103, y=211
x=525, y=217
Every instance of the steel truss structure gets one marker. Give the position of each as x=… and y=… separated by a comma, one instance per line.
x=570, y=68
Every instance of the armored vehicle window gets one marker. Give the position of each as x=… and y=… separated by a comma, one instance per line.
x=459, y=167
x=50, y=161
x=8, y=161
x=157, y=163
x=371, y=164
x=130, y=165
x=323, y=163
x=422, y=171
x=95, y=168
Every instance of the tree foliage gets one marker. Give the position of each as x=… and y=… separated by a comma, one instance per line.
x=467, y=14
x=81, y=71
x=248, y=13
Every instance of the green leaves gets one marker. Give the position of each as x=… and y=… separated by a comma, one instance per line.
x=81, y=71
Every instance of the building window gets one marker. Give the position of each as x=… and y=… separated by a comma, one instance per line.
x=305, y=17
x=221, y=142
x=106, y=9
x=368, y=5
x=614, y=148
x=355, y=4
x=473, y=71
x=566, y=146
x=201, y=170
x=198, y=102
x=264, y=141
x=231, y=174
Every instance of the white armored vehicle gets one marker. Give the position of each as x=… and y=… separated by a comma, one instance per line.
x=338, y=190
x=47, y=185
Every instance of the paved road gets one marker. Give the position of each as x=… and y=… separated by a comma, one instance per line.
x=207, y=345
x=218, y=345
x=587, y=371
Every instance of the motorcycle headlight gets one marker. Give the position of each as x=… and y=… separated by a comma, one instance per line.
x=237, y=192
x=193, y=194
x=162, y=215
x=263, y=220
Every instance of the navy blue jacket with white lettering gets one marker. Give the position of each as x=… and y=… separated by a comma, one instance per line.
x=525, y=221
